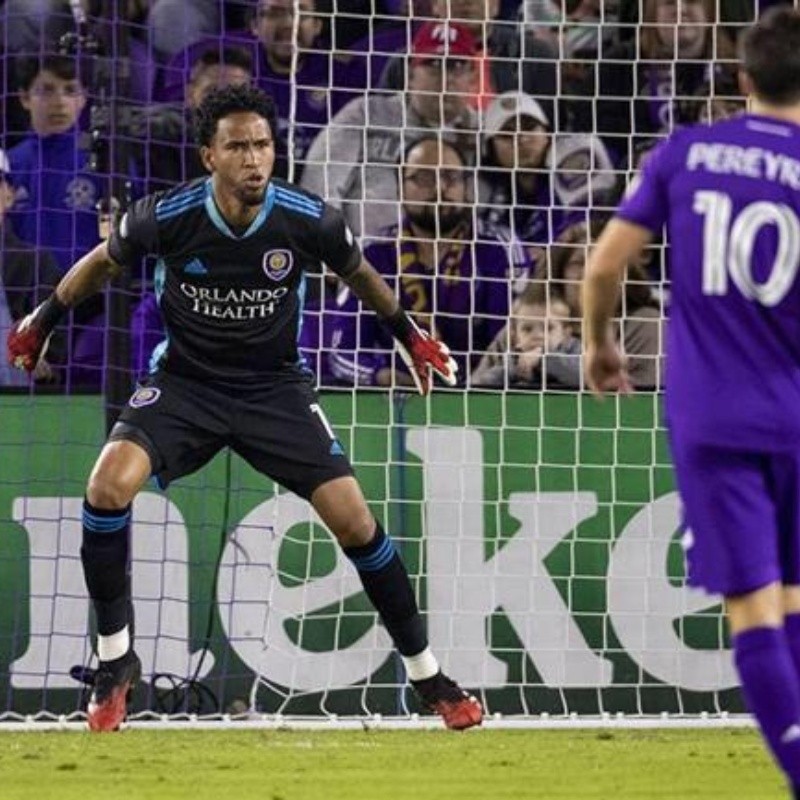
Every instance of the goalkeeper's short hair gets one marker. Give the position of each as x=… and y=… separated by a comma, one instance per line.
x=225, y=100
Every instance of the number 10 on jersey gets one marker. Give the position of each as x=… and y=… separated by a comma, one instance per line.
x=729, y=243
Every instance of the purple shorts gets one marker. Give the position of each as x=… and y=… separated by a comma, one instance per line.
x=742, y=510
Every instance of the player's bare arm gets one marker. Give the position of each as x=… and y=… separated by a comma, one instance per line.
x=420, y=351
x=368, y=285
x=27, y=340
x=620, y=243
x=88, y=276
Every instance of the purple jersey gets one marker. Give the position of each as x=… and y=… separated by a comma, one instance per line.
x=729, y=197
x=465, y=301
x=56, y=195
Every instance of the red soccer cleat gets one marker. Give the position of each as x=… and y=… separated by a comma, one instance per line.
x=113, y=683
x=445, y=697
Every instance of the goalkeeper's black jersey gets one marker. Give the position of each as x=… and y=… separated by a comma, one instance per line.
x=232, y=301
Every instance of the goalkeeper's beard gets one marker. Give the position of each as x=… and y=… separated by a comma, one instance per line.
x=250, y=198
x=438, y=220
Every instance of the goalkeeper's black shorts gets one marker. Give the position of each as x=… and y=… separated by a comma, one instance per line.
x=280, y=430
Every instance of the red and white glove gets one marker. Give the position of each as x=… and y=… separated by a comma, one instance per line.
x=28, y=338
x=422, y=353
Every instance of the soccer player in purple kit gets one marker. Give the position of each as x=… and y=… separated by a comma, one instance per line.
x=729, y=197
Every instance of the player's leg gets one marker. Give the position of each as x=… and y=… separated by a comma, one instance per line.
x=766, y=667
x=341, y=505
x=118, y=475
x=791, y=620
x=284, y=433
x=733, y=548
x=786, y=485
x=171, y=427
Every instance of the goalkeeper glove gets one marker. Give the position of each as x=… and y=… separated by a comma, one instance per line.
x=421, y=352
x=29, y=337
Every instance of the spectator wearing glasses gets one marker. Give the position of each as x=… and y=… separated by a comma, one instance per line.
x=455, y=277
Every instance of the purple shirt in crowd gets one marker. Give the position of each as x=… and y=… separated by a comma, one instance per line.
x=466, y=301
x=55, y=195
x=315, y=101
x=321, y=85
x=729, y=195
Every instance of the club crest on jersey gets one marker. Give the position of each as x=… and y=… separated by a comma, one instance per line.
x=278, y=264
x=81, y=194
x=145, y=396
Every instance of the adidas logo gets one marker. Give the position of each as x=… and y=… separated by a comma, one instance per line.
x=336, y=448
x=195, y=267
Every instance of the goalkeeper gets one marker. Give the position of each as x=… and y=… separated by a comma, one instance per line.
x=232, y=252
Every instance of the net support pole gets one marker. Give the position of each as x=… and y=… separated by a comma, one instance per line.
x=114, y=84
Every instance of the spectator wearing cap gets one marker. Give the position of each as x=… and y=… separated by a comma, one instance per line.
x=27, y=276
x=353, y=162
x=507, y=57
x=533, y=181
x=453, y=274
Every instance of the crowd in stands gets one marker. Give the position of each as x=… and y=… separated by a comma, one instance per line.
x=476, y=148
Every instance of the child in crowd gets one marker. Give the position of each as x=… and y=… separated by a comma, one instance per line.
x=538, y=349
x=56, y=192
x=641, y=319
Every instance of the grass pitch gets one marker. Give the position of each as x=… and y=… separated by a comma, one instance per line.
x=387, y=765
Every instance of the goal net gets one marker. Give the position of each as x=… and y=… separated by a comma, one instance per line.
x=475, y=150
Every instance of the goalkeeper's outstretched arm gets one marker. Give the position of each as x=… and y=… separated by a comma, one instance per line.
x=421, y=352
x=28, y=338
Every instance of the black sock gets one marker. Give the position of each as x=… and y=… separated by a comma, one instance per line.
x=105, y=565
x=386, y=583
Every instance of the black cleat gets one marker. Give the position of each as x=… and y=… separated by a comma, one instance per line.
x=113, y=683
x=445, y=697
